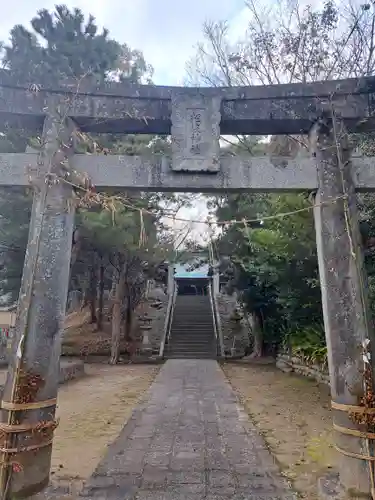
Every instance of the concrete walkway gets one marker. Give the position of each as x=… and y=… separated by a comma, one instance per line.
x=190, y=441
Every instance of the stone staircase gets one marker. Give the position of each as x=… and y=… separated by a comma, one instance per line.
x=192, y=331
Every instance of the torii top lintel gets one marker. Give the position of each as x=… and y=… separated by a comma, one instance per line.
x=148, y=109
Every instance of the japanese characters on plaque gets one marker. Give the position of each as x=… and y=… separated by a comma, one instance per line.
x=195, y=132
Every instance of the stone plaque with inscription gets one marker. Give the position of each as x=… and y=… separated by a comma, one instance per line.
x=195, y=133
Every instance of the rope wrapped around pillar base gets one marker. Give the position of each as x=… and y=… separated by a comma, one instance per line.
x=370, y=436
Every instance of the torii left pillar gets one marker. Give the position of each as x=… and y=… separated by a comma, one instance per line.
x=31, y=387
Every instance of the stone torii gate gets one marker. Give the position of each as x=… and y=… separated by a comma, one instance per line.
x=195, y=118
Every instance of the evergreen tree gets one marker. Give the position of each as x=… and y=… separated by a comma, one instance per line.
x=15, y=207
x=61, y=45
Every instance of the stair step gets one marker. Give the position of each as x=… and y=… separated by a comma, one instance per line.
x=205, y=306
x=192, y=326
x=191, y=319
x=199, y=302
x=195, y=337
x=196, y=307
x=176, y=350
x=202, y=310
x=189, y=351
x=193, y=297
x=195, y=332
x=201, y=307
x=203, y=347
x=192, y=344
x=194, y=303
x=197, y=314
x=192, y=338
x=191, y=322
x=192, y=330
x=192, y=312
x=192, y=356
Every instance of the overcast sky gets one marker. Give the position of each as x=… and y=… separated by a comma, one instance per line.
x=165, y=30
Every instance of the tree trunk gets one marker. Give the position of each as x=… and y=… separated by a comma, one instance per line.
x=128, y=317
x=93, y=293
x=84, y=301
x=112, y=295
x=76, y=247
x=116, y=318
x=84, y=282
x=101, y=296
x=85, y=291
x=258, y=336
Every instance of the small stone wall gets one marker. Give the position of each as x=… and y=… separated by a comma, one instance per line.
x=295, y=364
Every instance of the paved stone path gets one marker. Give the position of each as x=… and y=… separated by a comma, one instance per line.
x=190, y=441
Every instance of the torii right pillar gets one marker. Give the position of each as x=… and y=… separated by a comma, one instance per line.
x=345, y=305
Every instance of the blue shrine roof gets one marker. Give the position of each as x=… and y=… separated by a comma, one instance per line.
x=182, y=271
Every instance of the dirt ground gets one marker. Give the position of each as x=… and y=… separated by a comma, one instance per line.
x=92, y=412
x=293, y=414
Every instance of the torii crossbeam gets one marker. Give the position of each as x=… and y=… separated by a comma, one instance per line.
x=147, y=109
